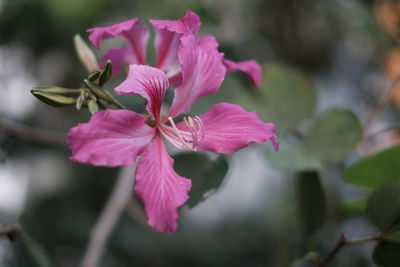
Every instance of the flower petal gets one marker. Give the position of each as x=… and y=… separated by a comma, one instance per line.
x=168, y=34
x=111, y=138
x=160, y=188
x=149, y=82
x=250, y=67
x=117, y=57
x=202, y=73
x=228, y=127
x=135, y=34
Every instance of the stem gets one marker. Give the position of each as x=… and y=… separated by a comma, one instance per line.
x=33, y=134
x=380, y=105
x=343, y=241
x=115, y=205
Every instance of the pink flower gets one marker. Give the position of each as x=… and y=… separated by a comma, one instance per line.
x=118, y=137
x=167, y=41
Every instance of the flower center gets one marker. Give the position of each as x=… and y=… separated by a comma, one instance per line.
x=184, y=137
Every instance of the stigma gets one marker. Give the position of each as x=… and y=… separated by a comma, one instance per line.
x=185, y=136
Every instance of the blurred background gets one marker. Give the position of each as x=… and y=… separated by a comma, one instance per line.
x=326, y=65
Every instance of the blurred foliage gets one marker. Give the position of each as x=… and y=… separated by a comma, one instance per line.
x=375, y=170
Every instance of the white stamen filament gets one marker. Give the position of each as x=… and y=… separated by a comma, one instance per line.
x=184, y=139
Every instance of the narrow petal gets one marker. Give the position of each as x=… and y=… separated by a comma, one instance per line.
x=117, y=57
x=228, y=127
x=250, y=67
x=111, y=138
x=149, y=82
x=135, y=34
x=168, y=34
x=160, y=188
x=202, y=73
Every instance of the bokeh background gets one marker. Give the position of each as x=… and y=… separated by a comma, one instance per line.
x=321, y=59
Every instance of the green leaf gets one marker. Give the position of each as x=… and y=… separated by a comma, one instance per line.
x=311, y=201
x=293, y=158
x=387, y=254
x=288, y=96
x=206, y=174
x=375, y=170
x=383, y=209
x=34, y=250
x=334, y=135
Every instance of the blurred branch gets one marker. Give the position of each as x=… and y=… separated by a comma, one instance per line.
x=12, y=232
x=117, y=202
x=343, y=241
x=32, y=134
x=134, y=211
x=380, y=105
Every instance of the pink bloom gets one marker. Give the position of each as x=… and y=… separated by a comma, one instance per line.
x=118, y=137
x=168, y=37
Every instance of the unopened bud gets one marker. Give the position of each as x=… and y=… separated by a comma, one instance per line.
x=92, y=106
x=55, y=96
x=106, y=73
x=85, y=54
x=100, y=92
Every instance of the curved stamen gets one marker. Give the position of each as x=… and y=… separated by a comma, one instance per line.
x=179, y=135
x=184, y=139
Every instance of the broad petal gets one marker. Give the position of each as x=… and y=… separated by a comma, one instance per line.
x=135, y=34
x=160, y=188
x=111, y=138
x=202, y=73
x=168, y=34
x=250, y=67
x=149, y=82
x=228, y=127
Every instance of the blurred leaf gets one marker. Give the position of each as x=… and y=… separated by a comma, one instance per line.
x=334, y=135
x=354, y=205
x=204, y=173
x=311, y=200
x=293, y=158
x=289, y=96
x=34, y=250
x=384, y=210
x=387, y=254
x=375, y=170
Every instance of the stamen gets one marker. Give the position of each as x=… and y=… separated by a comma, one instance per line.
x=201, y=126
x=179, y=135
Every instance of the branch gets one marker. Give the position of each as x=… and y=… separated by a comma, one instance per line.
x=116, y=204
x=33, y=134
x=343, y=241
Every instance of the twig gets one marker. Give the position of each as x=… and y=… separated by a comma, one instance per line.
x=343, y=241
x=380, y=105
x=12, y=232
x=115, y=205
x=33, y=134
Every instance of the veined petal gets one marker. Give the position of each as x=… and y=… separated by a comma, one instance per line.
x=135, y=34
x=228, y=127
x=202, y=73
x=168, y=34
x=160, y=188
x=149, y=82
x=111, y=138
x=250, y=67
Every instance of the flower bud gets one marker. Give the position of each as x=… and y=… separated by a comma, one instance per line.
x=55, y=96
x=85, y=54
